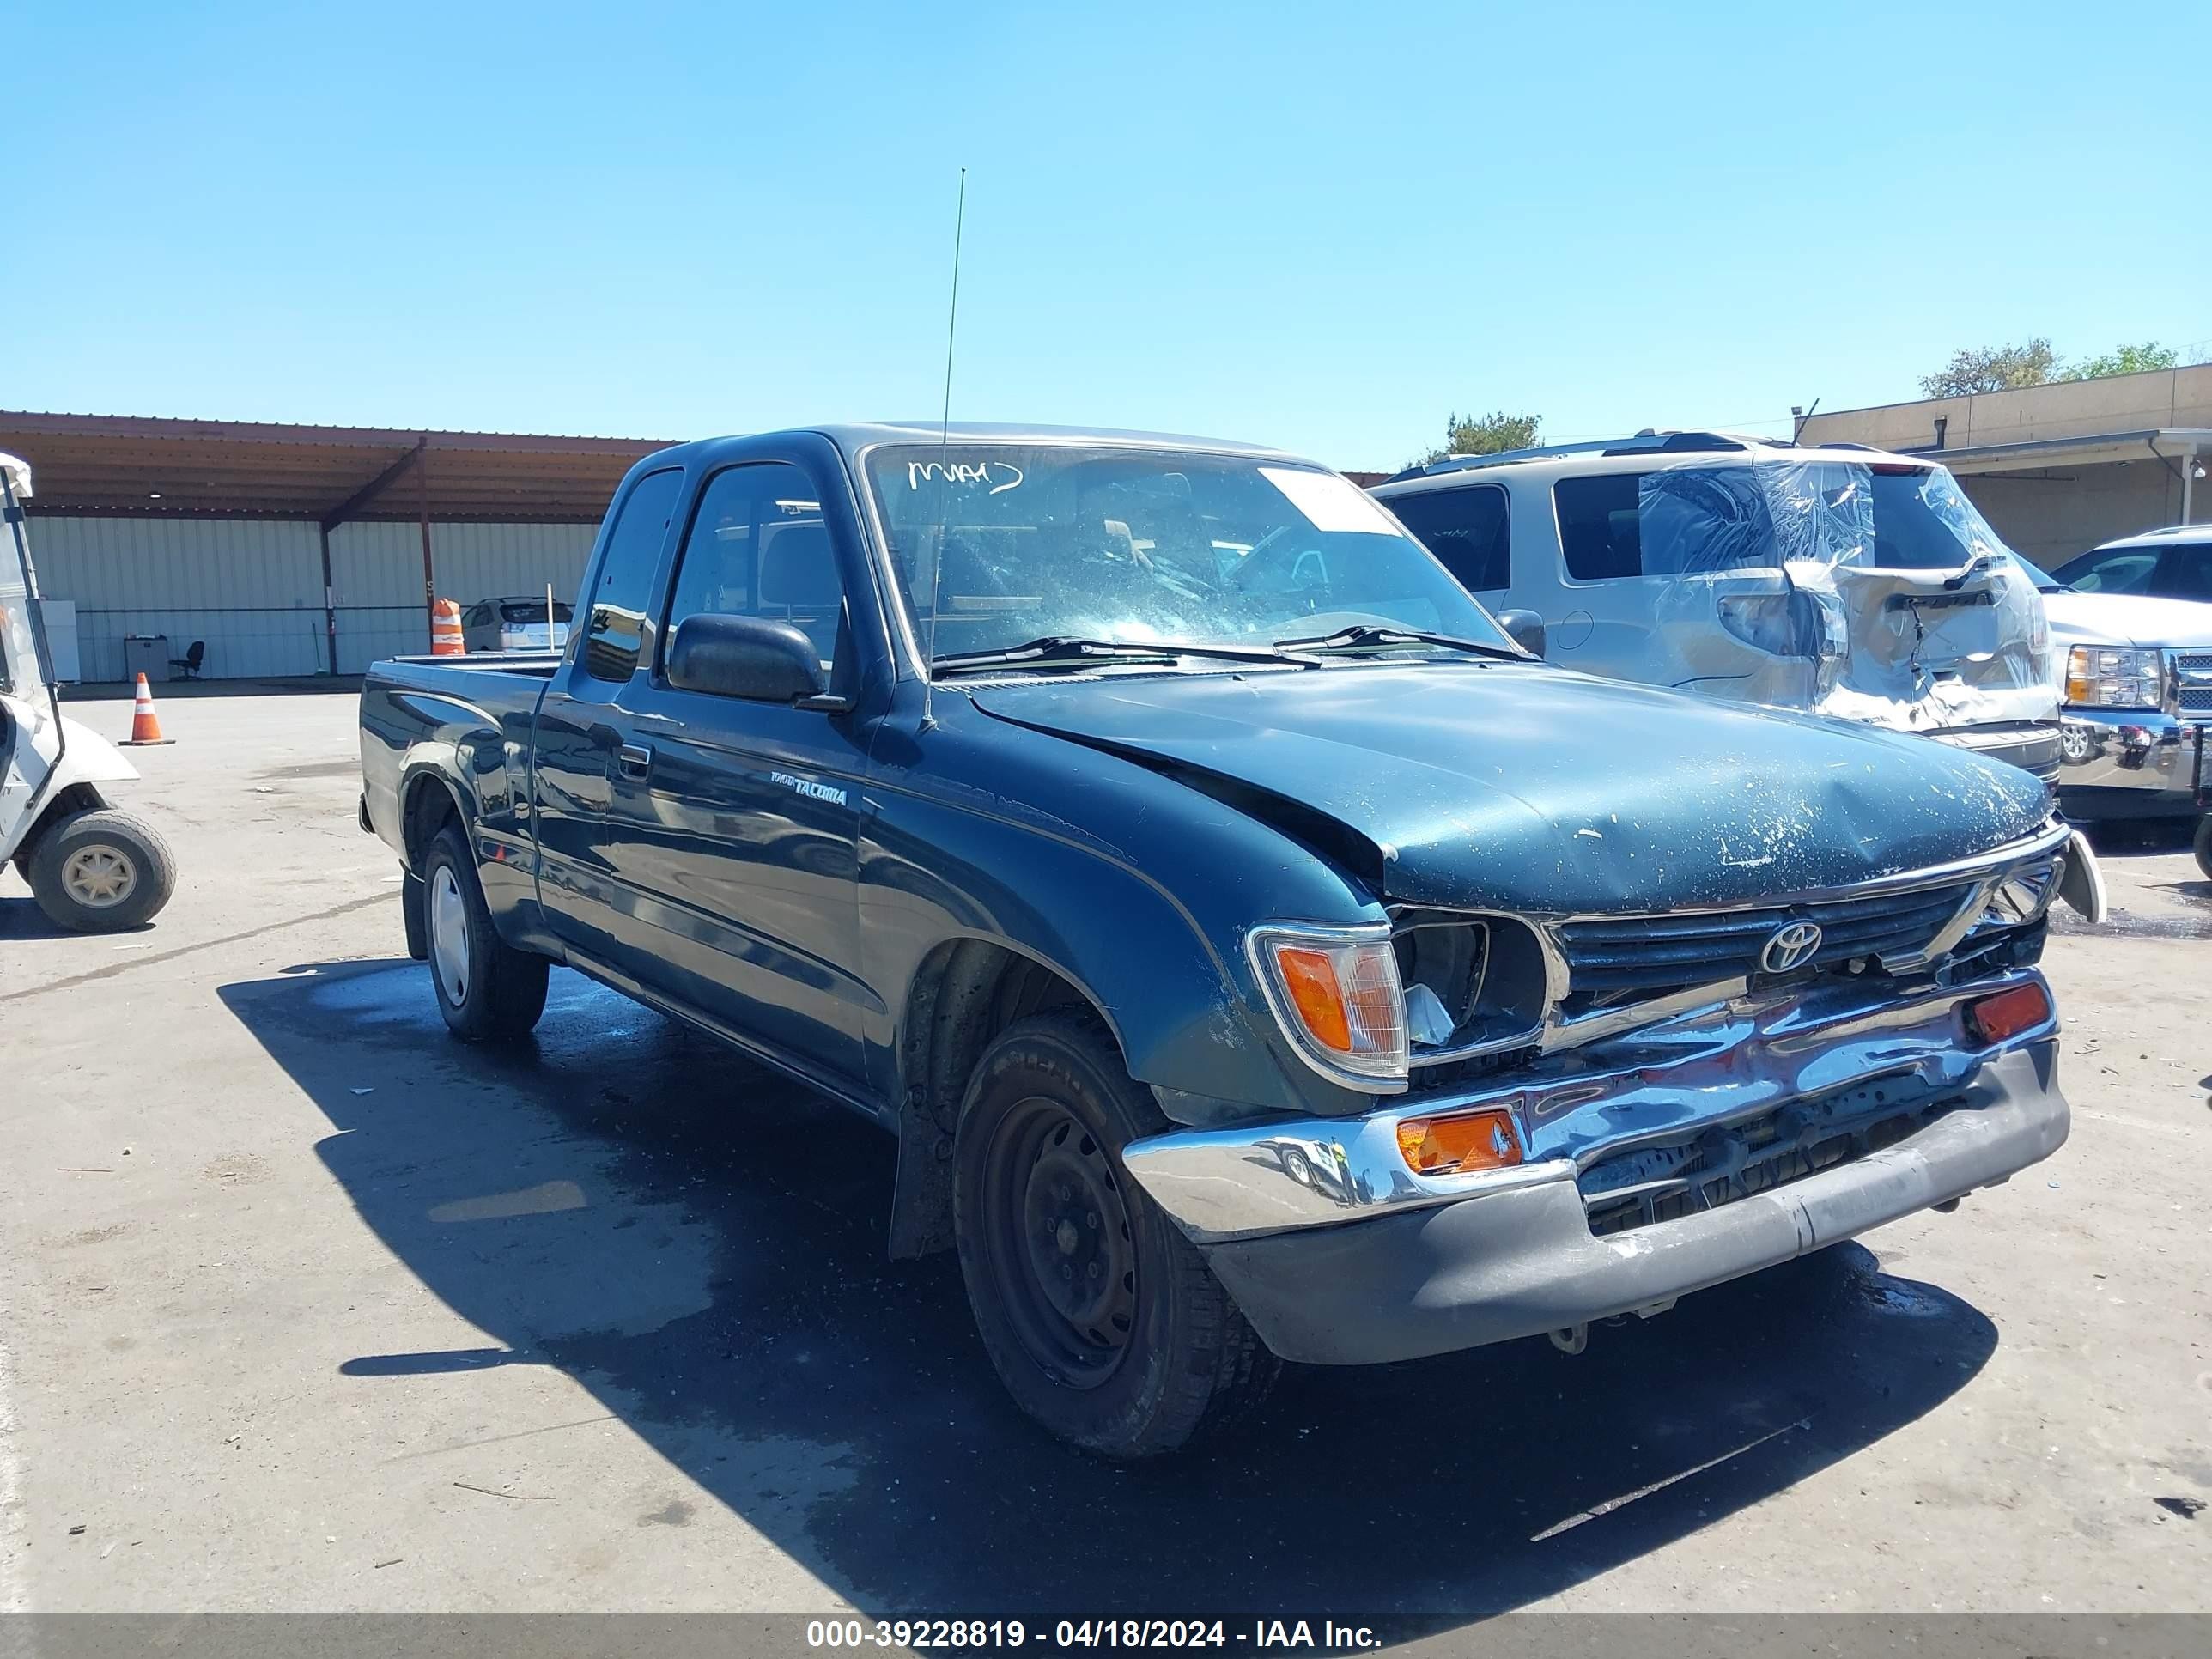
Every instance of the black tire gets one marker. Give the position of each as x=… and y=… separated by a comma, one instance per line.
x=2203, y=846
x=488, y=991
x=101, y=871
x=1049, y=1223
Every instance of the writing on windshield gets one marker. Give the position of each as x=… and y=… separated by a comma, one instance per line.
x=996, y=544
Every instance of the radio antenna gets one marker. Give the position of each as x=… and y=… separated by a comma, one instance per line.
x=943, y=450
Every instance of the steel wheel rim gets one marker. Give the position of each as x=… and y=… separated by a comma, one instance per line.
x=100, y=876
x=449, y=935
x=1062, y=1254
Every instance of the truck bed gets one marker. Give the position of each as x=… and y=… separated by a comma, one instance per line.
x=464, y=721
x=539, y=664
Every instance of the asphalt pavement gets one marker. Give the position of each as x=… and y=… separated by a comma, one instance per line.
x=304, y=1306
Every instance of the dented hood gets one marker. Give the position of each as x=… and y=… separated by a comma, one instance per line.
x=1527, y=788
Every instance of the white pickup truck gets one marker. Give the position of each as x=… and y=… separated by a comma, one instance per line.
x=2135, y=680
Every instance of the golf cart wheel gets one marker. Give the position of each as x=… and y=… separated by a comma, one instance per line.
x=488, y=991
x=100, y=871
x=1100, y=1317
x=2203, y=848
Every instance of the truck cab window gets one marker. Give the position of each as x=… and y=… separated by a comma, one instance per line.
x=758, y=547
x=616, y=635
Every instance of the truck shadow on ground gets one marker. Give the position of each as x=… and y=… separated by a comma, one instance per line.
x=699, y=1245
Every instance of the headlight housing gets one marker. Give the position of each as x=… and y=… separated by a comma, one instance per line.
x=1335, y=992
x=2115, y=677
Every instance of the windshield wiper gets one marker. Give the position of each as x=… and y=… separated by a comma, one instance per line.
x=1065, y=650
x=1361, y=636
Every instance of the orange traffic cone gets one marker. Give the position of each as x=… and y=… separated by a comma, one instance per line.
x=145, y=725
x=446, y=639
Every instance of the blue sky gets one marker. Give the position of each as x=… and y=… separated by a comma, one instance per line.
x=1321, y=227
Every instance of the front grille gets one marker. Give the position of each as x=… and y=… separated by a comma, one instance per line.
x=1616, y=959
x=1720, y=1165
x=2194, y=667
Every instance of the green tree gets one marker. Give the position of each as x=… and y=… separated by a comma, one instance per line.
x=2123, y=360
x=1484, y=435
x=1992, y=368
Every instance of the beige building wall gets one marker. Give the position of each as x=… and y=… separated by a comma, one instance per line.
x=2065, y=409
x=2050, y=516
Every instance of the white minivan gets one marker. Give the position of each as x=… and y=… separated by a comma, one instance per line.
x=1834, y=579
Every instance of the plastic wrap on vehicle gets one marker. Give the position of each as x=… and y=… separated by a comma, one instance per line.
x=1871, y=592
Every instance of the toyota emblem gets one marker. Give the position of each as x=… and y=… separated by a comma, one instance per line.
x=1791, y=947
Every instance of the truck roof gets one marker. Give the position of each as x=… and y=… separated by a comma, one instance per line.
x=2185, y=533
x=853, y=437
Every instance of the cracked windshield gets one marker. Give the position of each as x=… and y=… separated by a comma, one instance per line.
x=1001, y=545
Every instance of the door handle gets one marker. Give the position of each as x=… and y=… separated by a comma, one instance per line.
x=635, y=759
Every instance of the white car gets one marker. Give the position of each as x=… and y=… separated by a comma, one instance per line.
x=1836, y=580
x=516, y=624
x=2135, y=671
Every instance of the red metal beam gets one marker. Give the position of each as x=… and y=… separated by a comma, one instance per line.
x=369, y=491
x=422, y=508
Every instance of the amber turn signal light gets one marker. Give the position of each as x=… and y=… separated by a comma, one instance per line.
x=2007, y=1014
x=1459, y=1144
x=1347, y=997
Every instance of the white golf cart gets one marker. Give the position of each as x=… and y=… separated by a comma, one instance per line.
x=90, y=868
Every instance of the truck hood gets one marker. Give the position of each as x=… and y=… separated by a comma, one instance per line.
x=1527, y=788
x=2127, y=619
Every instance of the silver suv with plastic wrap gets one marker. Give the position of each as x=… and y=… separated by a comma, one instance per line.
x=1834, y=580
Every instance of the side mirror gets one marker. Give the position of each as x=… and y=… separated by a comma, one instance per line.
x=1525, y=628
x=750, y=657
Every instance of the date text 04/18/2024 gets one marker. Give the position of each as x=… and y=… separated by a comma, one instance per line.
x=1258, y=1635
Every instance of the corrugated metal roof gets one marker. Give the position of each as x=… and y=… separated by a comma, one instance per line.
x=171, y=468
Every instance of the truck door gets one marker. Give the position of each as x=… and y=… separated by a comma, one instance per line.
x=740, y=820
x=587, y=894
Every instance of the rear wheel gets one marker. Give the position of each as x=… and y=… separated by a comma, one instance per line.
x=1101, y=1318
x=101, y=871
x=2203, y=848
x=488, y=991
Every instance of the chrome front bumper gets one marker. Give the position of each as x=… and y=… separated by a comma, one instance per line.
x=1339, y=1254
x=2155, y=762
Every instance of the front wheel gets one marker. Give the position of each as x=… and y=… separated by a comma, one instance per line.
x=1100, y=1317
x=488, y=991
x=2203, y=848
x=101, y=871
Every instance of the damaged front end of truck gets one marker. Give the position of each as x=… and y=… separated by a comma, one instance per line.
x=1695, y=1096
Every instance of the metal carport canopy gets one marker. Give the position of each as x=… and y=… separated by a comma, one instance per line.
x=2175, y=448
x=141, y=466
x=329, y=475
